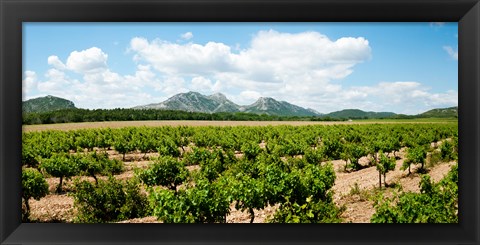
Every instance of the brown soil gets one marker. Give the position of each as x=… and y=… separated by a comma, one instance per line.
x=52, y=208
x=148, y=219
x=261, y=215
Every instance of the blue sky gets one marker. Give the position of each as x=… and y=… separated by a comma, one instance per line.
x=400, y=67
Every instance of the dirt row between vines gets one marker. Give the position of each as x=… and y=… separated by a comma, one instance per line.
x=59, y=207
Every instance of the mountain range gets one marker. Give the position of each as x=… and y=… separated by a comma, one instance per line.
x=196, y=102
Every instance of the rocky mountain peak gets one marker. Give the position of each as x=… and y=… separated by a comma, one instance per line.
x=218, y=96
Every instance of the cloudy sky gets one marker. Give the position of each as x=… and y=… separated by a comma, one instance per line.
x=399, y=67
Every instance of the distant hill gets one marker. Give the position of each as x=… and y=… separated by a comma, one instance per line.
x=358, y=114
x=224, y=105
x=196, y=102
x=441, y=112
x=215, y=103
x=270, y=106
x=46, y=104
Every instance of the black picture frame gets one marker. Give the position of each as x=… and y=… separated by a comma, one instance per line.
x=14, y=12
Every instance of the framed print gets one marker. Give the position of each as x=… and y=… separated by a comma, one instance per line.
x=162, y=122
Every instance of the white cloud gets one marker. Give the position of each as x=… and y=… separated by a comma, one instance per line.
x=29, y=82
x=103, y=77
x=407, y=97
x=188, y=59
x=87, y=61
x=187, y=36
x=449, y=98
x=172, y=85
x=249, y=96
x=309, y=58
x=283, y=64
x=144, y=76
x=100, y=87
x=139, y=43
x=453, y=53
x=312, y=46
x=55, y=62
x=56, y=82
x=203, y=85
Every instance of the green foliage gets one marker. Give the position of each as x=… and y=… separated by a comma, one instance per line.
x=167, y=147
x=109, y=201
x=61, y=166
x=356, y=151
x=436, y=203
x=212, y=168
x=145, y=144
x=197, y=155
x=287, y=172
x=249, y=193
x=455, y=146
x=33, y=186
x=291, y=163
x=333, y=148
x=166, y=171
x=275, y=180
x=295, y=147
x=29, y=156
x=359, y=114
x=123, y=145
x=434, y=158
x=51, y=142
x=309, y=212
x=93, y=164
x=170, y=207
x=227, y=157
x=212, y=163
x=86, y=139
x=415, y=155
x=447, y=151
x=385, y=165
x=251, y=150
x=352, y=153
x=100, y=115
x=314, y=156
x=312, y=180
x=211, y=202
x=205, y=203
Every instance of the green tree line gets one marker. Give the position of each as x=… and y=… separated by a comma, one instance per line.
x=101, y=115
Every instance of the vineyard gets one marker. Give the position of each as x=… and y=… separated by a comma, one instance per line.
x=288, y=174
